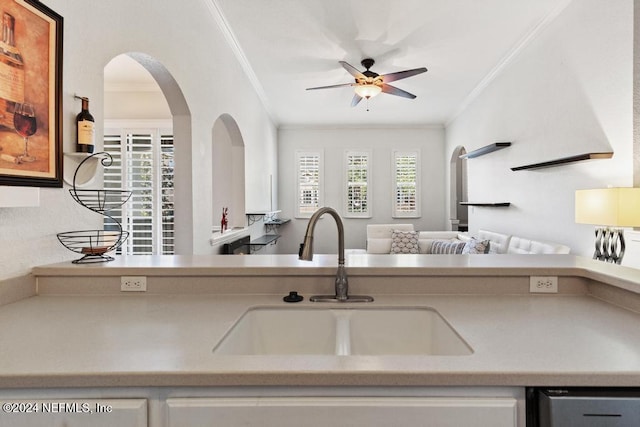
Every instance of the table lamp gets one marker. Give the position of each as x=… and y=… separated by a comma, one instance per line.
x=609, y=209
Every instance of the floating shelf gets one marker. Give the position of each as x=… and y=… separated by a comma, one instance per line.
x=485, y=150
x=266, y=216
x=264, y=240
x=273, y=224
x=565, y=160
x=84, y=176
x=490, y=205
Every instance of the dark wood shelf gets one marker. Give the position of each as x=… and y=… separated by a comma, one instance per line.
x=490, y=205
x=485, y=150
x=565, y=160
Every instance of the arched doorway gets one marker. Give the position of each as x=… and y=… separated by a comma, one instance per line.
x=180, y=118
x=228, y=175
x=458, y=214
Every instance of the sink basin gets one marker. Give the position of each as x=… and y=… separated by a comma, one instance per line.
x=342, y=332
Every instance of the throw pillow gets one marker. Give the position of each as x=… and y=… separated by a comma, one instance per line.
x=474, y=246
x=447, y=247
x=404, y=242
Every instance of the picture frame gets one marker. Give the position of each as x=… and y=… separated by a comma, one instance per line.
x=30, y=94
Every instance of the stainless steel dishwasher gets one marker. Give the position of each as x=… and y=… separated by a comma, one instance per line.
x=581, y=407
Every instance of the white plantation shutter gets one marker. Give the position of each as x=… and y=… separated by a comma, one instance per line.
x=309, y=183
x=357, y=203
x=143, y=164
x=406, y=181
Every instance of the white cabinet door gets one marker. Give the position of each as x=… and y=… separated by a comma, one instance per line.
x=347, y=411
x=73, y=412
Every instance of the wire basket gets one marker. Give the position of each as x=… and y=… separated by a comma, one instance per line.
x=100, y=201
x=93, y=244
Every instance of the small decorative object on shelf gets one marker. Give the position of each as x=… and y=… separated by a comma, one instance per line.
x=85, y=128
x=95, y=244
x=224, y=222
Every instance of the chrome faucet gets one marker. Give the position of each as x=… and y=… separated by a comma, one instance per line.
x=306, y=254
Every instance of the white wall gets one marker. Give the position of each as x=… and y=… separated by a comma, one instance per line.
x=381, y=142
x=568, y=92
x=186, y=40
x=135, y=105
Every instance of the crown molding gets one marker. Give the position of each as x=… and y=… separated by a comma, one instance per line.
x=508, y=58
x=234, y=45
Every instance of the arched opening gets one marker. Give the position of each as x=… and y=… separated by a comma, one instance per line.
x=458, y=214
x=150, y=100
x=228, y=175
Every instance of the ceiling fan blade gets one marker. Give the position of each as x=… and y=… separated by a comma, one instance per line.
x=331, y=86
x=352, y=70
x=392, y=90
x=391, y=77
x=356, y=99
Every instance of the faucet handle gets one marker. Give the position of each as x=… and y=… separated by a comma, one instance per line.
x=300, y=250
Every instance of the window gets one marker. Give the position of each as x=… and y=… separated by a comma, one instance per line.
x=309, y=183
x=143, y=163
x=357, y=203
x=406, y=179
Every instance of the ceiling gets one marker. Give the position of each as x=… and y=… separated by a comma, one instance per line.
x=287, y=46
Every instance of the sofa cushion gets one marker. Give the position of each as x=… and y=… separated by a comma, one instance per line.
x=378, y=246
x=519, y=245
x=426, y=238
x=447, y=247
x=379, y=236
x=474, y=246
x=404, y=242
x=498, y=242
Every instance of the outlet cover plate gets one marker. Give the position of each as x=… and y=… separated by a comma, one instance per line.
x=133, y=283
x=543, y=284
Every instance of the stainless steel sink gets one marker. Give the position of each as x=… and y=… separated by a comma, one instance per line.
x=342, y=332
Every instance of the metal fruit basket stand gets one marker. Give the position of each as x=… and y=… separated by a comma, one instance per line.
x=95, y=244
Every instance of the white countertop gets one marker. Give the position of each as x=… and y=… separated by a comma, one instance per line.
x=167, y=340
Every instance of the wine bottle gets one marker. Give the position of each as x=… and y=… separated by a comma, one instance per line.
x=85, y=125
x=11, y=72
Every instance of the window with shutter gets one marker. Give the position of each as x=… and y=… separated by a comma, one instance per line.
x=309, y=183
x=143, y=163
x=406, y=181
x=357, y=203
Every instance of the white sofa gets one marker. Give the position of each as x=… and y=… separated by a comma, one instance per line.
x=379, y=241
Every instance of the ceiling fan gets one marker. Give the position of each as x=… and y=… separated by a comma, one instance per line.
x=369, y=84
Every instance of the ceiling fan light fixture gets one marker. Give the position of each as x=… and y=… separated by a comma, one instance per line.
x=368, y=90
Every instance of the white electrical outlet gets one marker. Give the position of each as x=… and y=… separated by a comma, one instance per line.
x=543, y=284
x=133, y=283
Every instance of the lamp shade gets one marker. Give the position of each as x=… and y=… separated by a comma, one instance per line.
x=619, y=207
x=368, y=90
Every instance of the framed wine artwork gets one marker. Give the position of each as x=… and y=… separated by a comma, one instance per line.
x=30, y=94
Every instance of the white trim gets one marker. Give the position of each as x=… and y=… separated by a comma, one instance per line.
x=345, y=184
x=417, y=212
x=218, y=238
x=506, y=60
x=234, y=45
x=310, y=153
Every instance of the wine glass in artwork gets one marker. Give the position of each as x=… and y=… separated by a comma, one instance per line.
x=24, y=121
